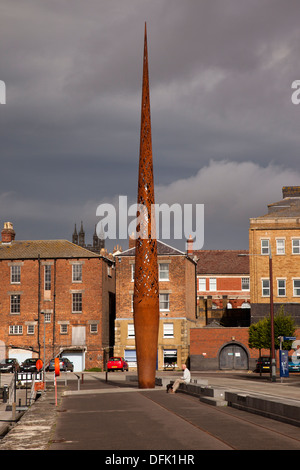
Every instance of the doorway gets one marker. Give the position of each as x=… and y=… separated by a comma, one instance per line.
x=233, y=357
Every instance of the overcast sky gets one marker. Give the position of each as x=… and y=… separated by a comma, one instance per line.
x=225, y=132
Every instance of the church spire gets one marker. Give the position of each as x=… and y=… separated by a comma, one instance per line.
x=81, y=235
x=75, y=236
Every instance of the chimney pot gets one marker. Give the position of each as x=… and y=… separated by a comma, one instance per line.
x=190, y=247
x=8, y=234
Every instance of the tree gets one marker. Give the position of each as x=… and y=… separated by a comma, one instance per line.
x=260, y=332
x=258, y=335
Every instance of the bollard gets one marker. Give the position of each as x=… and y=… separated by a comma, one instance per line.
x=78, y=381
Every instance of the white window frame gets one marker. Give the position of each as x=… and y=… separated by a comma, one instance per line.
x=64, y=327
x=132, y=271
x=281, y=288
x=163, y=271
x=296, y=246
x=265, y=246
x=76, y=302
x=202, y=284
x=15, y=329
x=212, y=284
x=131, y=300
x=94, y=328
x=77, y=272
x=13, y=304
x=15, y=273
x=280, y=246
x=164, y=299
x=266, y=287
x=30, y=329
x=245, y=281
x=130, y=331
x=47, y=317
x=295, y=289
x=168, y=330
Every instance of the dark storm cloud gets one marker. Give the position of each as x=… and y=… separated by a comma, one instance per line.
x=220, y=77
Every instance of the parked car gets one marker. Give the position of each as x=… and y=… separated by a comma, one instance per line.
x=29, y=365
x=263, y=364
x=117, y=363
x=64, y=364
x=9, y=365
x=294, y=366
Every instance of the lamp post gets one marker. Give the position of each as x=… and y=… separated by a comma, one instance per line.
x=273, y=361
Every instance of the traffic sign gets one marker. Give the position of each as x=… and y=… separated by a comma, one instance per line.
x=289, y=338
x=39, y=364
x=56, y=366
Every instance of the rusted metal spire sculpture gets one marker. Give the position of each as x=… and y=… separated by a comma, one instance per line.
x=146, y=294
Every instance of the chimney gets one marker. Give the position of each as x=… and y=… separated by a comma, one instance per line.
x=132, y=241
x=8, y=234
x=190, y=248
x=290, y=191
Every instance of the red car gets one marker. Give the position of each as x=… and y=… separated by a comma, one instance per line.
x=117, y=363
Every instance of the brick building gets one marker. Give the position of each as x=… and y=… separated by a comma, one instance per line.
x=177, y=294
x=62, y=288
x=276, y=233
x=223, y=287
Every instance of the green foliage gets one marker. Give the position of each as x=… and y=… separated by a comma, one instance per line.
x=258, y=335
x=260, y=332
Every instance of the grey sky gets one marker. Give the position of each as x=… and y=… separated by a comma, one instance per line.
x=224, y=129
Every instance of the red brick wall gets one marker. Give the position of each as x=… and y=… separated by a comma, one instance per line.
x=209, y=341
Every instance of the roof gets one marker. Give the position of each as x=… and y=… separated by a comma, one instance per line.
x=162, y=249
x=287, y=207
x=32, y=249
x=222, y=262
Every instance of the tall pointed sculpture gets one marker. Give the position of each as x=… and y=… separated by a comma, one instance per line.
x=146, y=294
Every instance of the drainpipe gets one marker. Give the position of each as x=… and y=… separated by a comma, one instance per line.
x=39, y=303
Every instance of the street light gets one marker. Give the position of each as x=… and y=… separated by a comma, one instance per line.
x=273, y=360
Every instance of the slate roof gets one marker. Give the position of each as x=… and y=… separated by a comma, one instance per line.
x=32, y=249
x=222, y=262
x=162, y=249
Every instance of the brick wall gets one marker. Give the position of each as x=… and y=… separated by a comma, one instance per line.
x=207, y=343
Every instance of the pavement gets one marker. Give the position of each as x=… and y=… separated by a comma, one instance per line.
x=149, y=417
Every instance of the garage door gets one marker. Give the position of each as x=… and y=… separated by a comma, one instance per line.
x=77, y=357
x=233, y=356
x=19, y=354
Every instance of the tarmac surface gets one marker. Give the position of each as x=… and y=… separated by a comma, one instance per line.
x=110, y=413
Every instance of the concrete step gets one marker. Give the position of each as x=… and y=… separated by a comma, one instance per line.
x=213, y=401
